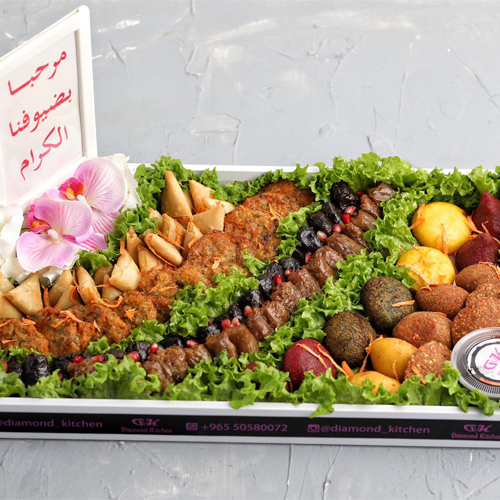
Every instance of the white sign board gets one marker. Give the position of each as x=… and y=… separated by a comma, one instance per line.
x=47, y=120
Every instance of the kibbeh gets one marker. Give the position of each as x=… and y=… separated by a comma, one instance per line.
x=423, y=327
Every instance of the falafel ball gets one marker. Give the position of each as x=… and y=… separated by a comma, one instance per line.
x=480, y=314
x=430, y=358
x=446, y=299
x=477, y=274
x=347, y=337
x=422, y=327
x=378, y=298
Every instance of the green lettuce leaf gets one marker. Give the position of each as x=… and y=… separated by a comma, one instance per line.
x=11, y=385
x=255, y=265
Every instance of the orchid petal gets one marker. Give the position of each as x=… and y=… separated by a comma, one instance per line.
x=105, y=184
x=65, y=217
x=36, y=251
x=102, y=222
x=92, y=243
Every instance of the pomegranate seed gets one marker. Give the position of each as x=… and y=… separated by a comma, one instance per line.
x=278, y=280
x=337, y=228
x=288, y=272
x=3, y=366
x=308, y=257
x=360, y=193
x=346, y=218
x=134, y=355
x=98, y=359
x=226, y=323
x=77, y=359
x=191, y=343
x=247, y=310
x=350, y=210
x=61, y=376
x=235, y=322
x=152, y=349
x=322, y=236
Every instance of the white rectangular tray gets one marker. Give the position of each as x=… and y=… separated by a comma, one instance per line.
x=382, y=425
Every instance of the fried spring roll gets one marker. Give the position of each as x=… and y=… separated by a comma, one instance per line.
x=60, y=286
x=27, y=297
x=210, y=220
x=173, y=201
x=86, y=286
x=126, y=274
x=163, y=249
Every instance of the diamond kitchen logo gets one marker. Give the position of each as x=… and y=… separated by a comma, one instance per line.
x=477, y=428
x=145, y=422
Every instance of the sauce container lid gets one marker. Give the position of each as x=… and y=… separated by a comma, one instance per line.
x=477, y=357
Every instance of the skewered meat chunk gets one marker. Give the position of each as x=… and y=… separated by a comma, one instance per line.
x=84, y=368
x=330, y=255
x=355, y=233
x=220, y=342
x=364, y=220
x=381, y=193
x=276, y=314
x=169, y=364
x=64, y=333
x=320, y=269
x=304, y=282
x=196, y=353
x=242, y=339
x=135, y=308
x=368, y=205
x=288, y=295
x=108, y=323
x=22, y=334
x=258, y=325
x=343, y=245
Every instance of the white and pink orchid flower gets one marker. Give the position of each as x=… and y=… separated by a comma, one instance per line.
x=64, y=228
x=101, y=184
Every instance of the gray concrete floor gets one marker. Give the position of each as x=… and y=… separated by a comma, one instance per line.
x=275, y=83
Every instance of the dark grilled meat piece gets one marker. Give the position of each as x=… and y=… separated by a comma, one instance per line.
x=83, y=368
x=242, y=339
x=135, y=308
x=304, y=282
x=381, y=193
x=355, y=233
x=364, y=220
x=276, y=313
x=220, y=342
x=368, y=205
x=257, y=324
x=22, y=334
x=343, y=196
x=343, y=245
x=320, y=222
x=332, y=212
x=196, y=353
x=108, y=323
x=65, y=334
x=169, y=364
x=288, y=295
x=319, y=268
x=330, y=255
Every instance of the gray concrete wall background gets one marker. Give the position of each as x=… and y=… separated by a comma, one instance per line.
x=275, y=83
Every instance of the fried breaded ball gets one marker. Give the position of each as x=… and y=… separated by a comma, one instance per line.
x=22, y=334
x=480, y=314
x=477, y=274
x=446, y=299
x=65, y=333
x=430, y=358
x=422, y=327
x=486, y=290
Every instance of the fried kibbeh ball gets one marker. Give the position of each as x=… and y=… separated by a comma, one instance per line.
x=477, y=274
x=430, y=358
x=480, y=314
x=347, y=337
x=386, y=301
x=423, y=327
x=484, y=291
x=446, y=299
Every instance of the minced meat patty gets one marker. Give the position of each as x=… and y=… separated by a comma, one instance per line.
x=285, y=187
x=158, y=282
x=136, y=307
x=273, y=203
x=226, y=246
x=105, y=319
x=65, y=334
x=192, y=274
x=259, y=227
x=22, y=334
